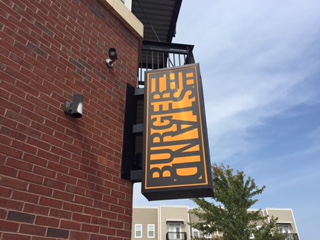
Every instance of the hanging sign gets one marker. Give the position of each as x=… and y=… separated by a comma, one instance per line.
x=176, y=155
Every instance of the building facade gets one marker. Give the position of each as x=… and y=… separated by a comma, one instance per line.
x=60, y=177
x=62, y=112
x=172, y=223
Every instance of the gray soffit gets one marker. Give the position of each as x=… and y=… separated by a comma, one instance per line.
x=159, y=18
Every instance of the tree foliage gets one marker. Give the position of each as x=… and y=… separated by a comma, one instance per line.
x=230, y=215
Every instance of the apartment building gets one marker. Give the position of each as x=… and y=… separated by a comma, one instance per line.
x=172, y=223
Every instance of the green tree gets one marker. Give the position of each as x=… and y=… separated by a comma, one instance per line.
x=269, y=231
x=230, y=215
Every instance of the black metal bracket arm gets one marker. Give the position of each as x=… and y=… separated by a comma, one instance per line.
x=133, y=135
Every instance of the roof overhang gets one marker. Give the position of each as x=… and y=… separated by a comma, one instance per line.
x=158, y=17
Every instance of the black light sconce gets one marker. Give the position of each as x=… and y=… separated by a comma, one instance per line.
x=75, y=108
x=112, y=57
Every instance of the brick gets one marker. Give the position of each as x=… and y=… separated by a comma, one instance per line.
x=102, y=189
x=24, y=147
x=35, y=159
x=75, y=235
x=44, y=28
x=107, y=231
x=100, y=221
x=11, y=204
x=70, y=225
x=89, y=170
x=8, y=171
x=60, y=213
x=38, y=143
x=37, y=50
x=83, y=200
x=8, y=226
x=123, y=233
x=7, y=88
x=117, y=194
x=109, y=215
x=32, y=229
x=47, y=221
x=20, y=217
x=54, y=184
x=2, y=159
x=13, y=183
x=42, y=238
x=57, y=167
x=63, y=137
x=90, y=228
x=116, y=224
x=24, y=196
x=3, y=214
x=18, y=163
x=94, y=195
x=92, y=211
x=25, y=105
x=101, y=205
x=97, y=237
x=37, y=101
x=21, y=84
x=15, y=135
x=65, y=178
x=59, y=233
x=40, y=189
x=117, y=208
x=55, y=126
x=78, y=174
x=72, y=148
x=44, y=171
x=81, y=217
x=63, y=195
x=61, y=152
x=75, y=189
x=72, y=163
x=50, y=202
x=46, y=155
x=72, y=207
x=42, y=128
x=30, y=177
x=15, y=236
x=36, y=209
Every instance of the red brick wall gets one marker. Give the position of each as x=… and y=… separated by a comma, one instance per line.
x=60, y=176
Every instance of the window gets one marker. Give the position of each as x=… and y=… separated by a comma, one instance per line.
x=138, y=231
x=151, y=231
x=208, y=235
x=175, y=230
x=285, y=229
x=195, y=233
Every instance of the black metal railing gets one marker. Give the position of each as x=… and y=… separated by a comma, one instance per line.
x=293, y=236
x=176, y=236
x=156, y=55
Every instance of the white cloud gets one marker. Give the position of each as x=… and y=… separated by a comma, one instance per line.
x=254, y=58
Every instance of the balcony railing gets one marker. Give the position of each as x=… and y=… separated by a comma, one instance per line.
x=176, y=236
x=156, y=55
x=293, y=236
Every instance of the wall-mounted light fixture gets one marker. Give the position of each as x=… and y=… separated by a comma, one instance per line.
x=112, y=57
x=75, y=108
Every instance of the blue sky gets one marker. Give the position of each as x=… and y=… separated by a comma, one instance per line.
x=260, y=66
